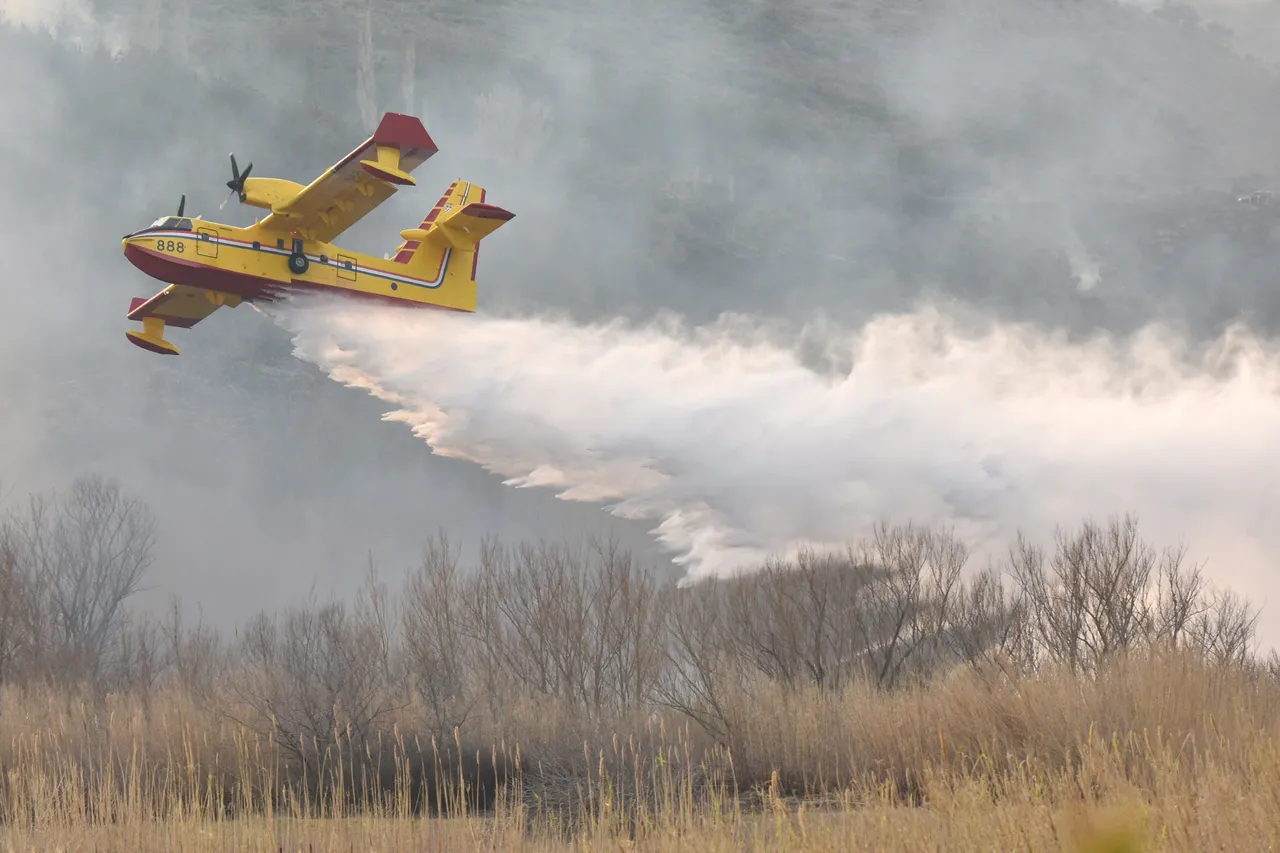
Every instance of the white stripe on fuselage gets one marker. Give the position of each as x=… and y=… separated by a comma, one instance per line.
x=331, y=262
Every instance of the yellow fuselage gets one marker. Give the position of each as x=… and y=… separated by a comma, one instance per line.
x=255, y=263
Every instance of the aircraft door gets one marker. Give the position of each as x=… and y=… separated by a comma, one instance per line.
x=347, y=268
x=207, y=243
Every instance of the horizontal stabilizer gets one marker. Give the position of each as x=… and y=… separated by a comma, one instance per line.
x=463, y=227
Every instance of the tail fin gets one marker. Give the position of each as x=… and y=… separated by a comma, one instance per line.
x=446, y=245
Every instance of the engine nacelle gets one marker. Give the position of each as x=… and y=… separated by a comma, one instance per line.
x=270, y=193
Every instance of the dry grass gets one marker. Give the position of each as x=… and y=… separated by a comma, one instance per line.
x=552, y=698
x=1180, y=754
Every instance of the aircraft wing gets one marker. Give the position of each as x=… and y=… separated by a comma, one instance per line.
x=181, y=305
x=358, y=183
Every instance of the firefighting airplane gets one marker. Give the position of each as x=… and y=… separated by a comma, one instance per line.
x=210, y=265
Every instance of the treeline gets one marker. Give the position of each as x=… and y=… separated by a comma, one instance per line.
x=547, y=644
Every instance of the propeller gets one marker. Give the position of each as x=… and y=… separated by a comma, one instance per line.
x=182, y=205
x=236, y=184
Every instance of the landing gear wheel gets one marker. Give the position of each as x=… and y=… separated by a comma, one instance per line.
x=298, y=263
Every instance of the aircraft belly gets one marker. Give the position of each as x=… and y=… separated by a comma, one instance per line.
x=167, y=268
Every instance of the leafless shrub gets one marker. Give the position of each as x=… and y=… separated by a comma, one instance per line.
x=887, y=611
x=990, y=626
x=320, y=674
x=195, y=657
x=136, y=662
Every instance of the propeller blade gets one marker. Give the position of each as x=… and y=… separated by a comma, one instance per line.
x=236, y=184
x=182, y=205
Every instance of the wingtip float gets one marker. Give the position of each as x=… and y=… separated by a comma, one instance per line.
x=208, y=264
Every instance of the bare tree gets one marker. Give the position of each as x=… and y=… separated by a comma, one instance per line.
x=1179, y=601
x=907, y=624
x=701, y=661
x=82, y=555
x=435, y=643
x=1223, y=630
x=103, y=542
x=18, y=612
x=578, y=624
x=483, y=629
x=628, y=618
x=1106, y=592
x=801, y=622
x=1090, y=600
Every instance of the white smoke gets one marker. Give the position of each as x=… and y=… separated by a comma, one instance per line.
x=736, y=450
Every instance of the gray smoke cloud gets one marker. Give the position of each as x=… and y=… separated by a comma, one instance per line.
x=72, y=21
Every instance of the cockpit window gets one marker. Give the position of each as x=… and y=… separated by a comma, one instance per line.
x=170, y=223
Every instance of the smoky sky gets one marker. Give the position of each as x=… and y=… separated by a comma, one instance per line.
x=1074, y=166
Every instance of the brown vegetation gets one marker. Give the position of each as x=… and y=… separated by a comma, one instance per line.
x=877, y=698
